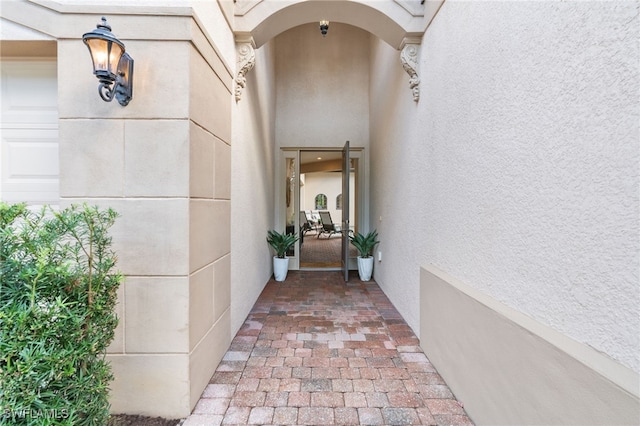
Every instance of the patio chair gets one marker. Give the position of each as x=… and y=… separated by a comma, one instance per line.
x=328, y=227
x=305, y=224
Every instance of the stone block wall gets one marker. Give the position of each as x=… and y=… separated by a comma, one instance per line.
x=163, y=162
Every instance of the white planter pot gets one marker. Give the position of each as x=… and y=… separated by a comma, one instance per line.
x=365, y=268
x=280, y=268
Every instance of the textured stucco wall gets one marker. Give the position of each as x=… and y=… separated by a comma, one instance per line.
x=322, y=87
x=517, y=172
x=252, y=186
x=399, y=210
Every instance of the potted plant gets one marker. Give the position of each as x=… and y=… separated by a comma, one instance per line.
x=281, y=243
x=365, y=245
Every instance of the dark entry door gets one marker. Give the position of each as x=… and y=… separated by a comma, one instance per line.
x=346, y=172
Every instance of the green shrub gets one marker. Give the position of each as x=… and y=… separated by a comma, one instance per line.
x=57, y=296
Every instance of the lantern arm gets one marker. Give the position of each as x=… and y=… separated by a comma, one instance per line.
x=105, y=91
x=121, y=88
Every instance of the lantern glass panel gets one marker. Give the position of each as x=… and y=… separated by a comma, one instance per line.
x=115, y=53
x=105, y=55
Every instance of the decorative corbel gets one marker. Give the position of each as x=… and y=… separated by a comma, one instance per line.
x=245, y=63
x=409, y=59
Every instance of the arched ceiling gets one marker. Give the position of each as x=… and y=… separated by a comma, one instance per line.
x=393, y=21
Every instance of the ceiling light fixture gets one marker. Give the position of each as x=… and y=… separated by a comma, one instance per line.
x=324, y=27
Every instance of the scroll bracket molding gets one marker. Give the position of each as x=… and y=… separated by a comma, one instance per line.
x=246, y=60
x=409, y=58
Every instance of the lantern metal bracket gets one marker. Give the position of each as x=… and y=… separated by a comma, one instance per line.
x=122, y=88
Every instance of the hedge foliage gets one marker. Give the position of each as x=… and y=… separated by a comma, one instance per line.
x=57, y=297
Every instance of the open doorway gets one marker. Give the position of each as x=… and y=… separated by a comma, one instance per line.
x=311, y=189
x=321, y=206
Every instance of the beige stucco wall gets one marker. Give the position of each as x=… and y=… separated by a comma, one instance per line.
x=516, y=173
x=322, y=96
x=252, y=187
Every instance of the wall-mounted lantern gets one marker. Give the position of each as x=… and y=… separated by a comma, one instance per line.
x=111, y=65
x=324, y=27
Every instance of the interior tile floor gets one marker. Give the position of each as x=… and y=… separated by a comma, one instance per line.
x=318, y=351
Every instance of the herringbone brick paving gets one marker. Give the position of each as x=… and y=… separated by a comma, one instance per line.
x=315, y=350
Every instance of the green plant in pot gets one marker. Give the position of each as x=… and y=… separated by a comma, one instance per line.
x=281, y=243
x=365, y=245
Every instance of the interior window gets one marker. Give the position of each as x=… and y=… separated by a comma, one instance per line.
x=321, y=202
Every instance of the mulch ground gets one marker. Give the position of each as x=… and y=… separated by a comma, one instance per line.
x=134, y=420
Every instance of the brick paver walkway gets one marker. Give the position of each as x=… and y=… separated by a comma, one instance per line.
x=318, y=351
